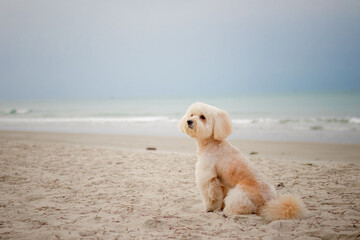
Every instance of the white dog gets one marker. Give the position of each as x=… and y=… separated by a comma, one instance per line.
x=226, y=179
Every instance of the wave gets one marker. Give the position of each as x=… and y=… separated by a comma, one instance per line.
x=89, y=120
x=301, y=124
x=352, y=120
x=355, y=120
x=237, y=121
x=310, y=124
x=15, y=111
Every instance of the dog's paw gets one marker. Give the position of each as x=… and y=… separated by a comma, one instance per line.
x=206, y=210
x=227, y=212
x=212, y=209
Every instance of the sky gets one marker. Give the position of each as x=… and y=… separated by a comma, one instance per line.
x=102, y=49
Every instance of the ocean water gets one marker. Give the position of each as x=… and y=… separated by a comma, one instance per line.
x=320, y=117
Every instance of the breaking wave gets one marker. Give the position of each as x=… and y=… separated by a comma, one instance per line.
x=89, y=120
x=245, y=121
x=15, y=111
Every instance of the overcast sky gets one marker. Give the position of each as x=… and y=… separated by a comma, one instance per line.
x=101, y=49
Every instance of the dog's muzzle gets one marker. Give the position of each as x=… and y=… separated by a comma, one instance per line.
x=190, y=123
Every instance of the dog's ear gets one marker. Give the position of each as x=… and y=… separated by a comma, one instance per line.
x=181, y=124
x=222, y=125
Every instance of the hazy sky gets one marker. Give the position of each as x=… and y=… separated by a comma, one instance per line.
x=101, y=49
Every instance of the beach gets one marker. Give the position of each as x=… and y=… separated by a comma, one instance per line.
x=98, y=100
x=98, y=186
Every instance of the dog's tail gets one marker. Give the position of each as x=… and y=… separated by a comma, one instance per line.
x=285, y=207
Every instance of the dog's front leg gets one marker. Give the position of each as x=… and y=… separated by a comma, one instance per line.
x=209, y=185
x=212, y=195
x=210, y=189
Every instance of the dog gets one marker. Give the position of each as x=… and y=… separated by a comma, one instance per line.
x=225, y=177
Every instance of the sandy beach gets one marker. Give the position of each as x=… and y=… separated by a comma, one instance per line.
x=92, y=186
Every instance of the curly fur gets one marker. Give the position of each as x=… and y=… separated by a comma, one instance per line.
x=225, y=177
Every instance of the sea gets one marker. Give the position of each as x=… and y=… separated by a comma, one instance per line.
x=302, y=117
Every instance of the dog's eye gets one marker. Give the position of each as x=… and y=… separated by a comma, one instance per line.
x=202, y=117
x=191, y=115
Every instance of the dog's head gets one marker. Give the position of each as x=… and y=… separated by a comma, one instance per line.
x=202, y=121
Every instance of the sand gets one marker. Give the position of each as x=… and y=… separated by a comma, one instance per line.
x=73, y=186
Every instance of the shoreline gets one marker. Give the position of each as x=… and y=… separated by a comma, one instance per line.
x=291, y=151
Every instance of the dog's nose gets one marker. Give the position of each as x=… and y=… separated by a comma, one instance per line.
x=189, y=122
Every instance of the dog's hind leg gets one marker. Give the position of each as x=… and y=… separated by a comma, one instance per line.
x=237, y=201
